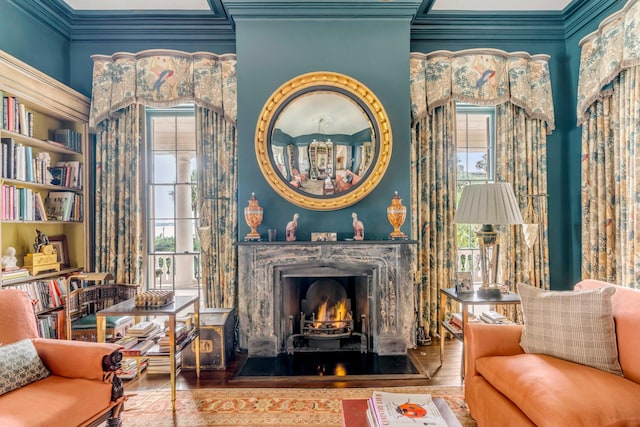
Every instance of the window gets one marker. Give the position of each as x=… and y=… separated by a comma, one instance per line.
x=475, y=145
x=172, y=245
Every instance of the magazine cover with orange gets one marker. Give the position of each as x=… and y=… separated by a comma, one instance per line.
x=402, y=409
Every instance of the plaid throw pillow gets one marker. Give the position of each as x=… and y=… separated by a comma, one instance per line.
x=572, y=325
x=20, y=365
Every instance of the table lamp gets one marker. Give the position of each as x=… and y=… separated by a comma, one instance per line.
x=488, y=204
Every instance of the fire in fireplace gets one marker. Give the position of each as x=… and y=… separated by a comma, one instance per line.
x=326, y=321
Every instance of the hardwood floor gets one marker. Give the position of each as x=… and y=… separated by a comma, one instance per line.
x=425, y=358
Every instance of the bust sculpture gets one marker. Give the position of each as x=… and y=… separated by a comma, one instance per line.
x=9, y=260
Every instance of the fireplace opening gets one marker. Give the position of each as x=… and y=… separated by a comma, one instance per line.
x=325, y=314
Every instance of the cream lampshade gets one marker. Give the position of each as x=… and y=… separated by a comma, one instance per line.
x=488, y=204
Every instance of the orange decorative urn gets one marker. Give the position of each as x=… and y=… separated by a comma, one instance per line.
x=253, y=216
x=396, y=214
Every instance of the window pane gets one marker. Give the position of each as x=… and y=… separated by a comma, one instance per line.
x=163, y=132
x=163, y=232
x=164, y=168
x=173, y=261
x=163, y=197
x=475, y=153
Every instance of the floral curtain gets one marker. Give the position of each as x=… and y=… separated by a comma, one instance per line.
x=521, y=159
x=164, y=78
x=609, y=113
x=118, y=201
x=484, y=77
x=433, y=163
x=218, y=229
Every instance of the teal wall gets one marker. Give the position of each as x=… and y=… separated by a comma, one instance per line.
x=373, y=51
x=41, y=46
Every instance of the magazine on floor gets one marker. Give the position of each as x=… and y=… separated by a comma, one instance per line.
x=403, y=410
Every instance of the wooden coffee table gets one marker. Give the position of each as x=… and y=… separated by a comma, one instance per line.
x=354, y=413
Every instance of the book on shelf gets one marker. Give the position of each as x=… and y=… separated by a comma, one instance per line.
x=127, y=342
x=163, y=365
x=138, y=349
x=129, y=369
x=69, y=139
x=387, y=409
x=142, y=329
x=492, y=316
x=456, y=319
x=63, y=206
x=68, y=174
x=14, y=273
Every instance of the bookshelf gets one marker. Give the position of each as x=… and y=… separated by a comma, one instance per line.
x=43, y=124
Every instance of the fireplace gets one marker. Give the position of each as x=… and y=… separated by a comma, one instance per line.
x=325, y=308
x=326, y=296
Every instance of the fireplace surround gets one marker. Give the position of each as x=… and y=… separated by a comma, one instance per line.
x=377, y=275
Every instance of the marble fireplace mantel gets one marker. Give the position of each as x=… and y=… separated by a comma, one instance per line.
x=387, y=265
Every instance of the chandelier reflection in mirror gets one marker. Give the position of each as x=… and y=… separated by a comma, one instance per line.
x=323, y=141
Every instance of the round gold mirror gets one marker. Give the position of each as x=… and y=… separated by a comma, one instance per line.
x=323, y=141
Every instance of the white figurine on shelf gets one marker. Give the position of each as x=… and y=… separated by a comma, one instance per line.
x=45, y=158
x=358, y=228
x=9, y=260
x=292, y=226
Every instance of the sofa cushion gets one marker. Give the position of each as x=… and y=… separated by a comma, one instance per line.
x=55, y=401
x=577, y=326
x=20, y=365
x=555, y=392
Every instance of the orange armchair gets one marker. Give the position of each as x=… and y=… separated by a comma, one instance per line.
x=82, y=388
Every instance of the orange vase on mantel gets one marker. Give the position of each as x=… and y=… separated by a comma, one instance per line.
x=396, y=214
x=253, y=216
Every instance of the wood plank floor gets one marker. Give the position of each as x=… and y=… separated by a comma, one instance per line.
x=425, y=358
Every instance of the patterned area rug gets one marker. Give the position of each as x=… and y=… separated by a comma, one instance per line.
x=280, y=407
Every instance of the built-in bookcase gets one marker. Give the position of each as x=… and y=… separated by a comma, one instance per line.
x=42, y=118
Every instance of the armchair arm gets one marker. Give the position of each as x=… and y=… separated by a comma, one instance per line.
x=481, y=339
x=74, y=359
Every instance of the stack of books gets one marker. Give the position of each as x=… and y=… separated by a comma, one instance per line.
x=403, y=410
x=129, y=369
x=492, y=316
x=162, y=365
x=14, y=273
x=143, y=329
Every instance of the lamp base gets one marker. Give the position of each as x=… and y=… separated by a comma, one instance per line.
x=489, y=293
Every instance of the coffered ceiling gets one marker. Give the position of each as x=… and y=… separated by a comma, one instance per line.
x=462, y=5
x=216, y=9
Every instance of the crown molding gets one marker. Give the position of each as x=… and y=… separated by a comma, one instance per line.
x=151, y=26
x=55, y=15
x=582, y=13
x=486, y=26
x=335, y=9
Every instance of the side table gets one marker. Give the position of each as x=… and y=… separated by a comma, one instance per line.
x=180, y=303
x=465, y=300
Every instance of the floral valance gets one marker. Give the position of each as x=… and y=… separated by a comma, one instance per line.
x=481, y=76
x=163, y=78
x=607, y=51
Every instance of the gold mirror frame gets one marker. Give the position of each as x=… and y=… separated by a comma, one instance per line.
x=301, y=86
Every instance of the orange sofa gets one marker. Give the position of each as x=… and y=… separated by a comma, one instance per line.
x=504, y=386
x=82, y=389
